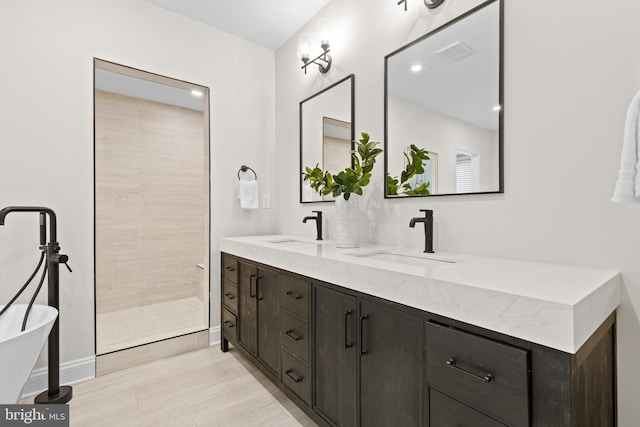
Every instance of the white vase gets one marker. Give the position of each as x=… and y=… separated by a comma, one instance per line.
x=347, y=217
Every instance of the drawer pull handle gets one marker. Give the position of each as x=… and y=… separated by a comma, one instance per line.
x=486, y=378
x=293, y=336
x=363, y=348
x=347, y=343
x=294, y=295
x=228, y=324
x=293, y=376
x=251, y=292
x=229, y=268
x=229, y=295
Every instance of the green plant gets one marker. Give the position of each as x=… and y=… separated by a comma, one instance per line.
x=350, y=180
x=414, y=166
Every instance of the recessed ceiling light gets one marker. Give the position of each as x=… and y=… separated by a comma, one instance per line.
x=497, y=108
x=416, y=68
x=196, y=93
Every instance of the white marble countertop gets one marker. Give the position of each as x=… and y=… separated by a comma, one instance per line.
x=557, y=306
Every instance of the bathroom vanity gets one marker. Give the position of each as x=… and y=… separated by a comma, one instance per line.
x=375, y=336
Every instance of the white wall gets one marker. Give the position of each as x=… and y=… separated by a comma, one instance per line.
x=46, y=129
x=571, y=68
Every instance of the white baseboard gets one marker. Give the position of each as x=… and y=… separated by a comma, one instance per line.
x=72, y=372
x=214, y=335
x=81, y=370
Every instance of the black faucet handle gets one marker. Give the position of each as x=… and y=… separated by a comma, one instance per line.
x=318, y=212
x=427, y=212
x=62, y=259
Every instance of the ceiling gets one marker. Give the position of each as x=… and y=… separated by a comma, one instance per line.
x=122, y=84
x=269, y=23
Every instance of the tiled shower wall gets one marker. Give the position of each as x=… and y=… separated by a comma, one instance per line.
x=150, y=208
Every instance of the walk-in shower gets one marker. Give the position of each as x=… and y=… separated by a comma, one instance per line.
x=151, y=208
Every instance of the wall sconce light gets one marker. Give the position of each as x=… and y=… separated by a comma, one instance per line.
x=304, y=47
x=431, y=4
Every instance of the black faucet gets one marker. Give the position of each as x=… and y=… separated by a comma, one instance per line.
x=55, y=394
x=428, y=228
x=318, y=220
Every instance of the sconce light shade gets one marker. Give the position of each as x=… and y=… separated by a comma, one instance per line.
x=304, y=47
x=325, y=33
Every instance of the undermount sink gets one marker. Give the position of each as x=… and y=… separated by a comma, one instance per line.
x=299, y=245
x=414, y=260
x=294, y=241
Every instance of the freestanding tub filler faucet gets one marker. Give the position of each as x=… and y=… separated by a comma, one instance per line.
x=428, y=228
x=318, y=220
x=55, y=394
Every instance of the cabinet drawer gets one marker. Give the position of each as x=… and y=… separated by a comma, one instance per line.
x=230, y=268
x=487, y=375
x=446, y=412
x=229, y=325
x=295, y=375
x=295, y=295
x=294, y=335
x=230, y=296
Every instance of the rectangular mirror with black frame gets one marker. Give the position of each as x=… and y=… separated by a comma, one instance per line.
x=326, y=133
x=444, y=109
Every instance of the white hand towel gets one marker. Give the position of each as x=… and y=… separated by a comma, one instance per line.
x=249, y=194
x=628, y=185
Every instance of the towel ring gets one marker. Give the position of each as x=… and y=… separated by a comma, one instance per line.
x=245, y=168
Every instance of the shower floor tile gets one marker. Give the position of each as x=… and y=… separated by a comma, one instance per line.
x=131, y=327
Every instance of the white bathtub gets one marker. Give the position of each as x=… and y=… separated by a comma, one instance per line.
x=19, y=350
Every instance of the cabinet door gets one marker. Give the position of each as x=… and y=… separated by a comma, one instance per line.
x=248, y=319
x=391, y=366
x=268, y=290
x=334, y=330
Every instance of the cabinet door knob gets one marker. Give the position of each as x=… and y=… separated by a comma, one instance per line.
x=229, y=295
x=486, y=377
x=229, y=268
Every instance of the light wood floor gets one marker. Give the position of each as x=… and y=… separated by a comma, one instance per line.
x=201, y=388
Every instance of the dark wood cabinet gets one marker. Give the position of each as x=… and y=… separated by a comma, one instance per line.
x=488, y=375
x=229, y=301
x=391, y=366
x=259, y=312
x=335, y=356
x=507, y=381
x=268, y=290
x=295, y=337
x=366, y=346
x=448, y=412
x=349, y=359
x=248, y=330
